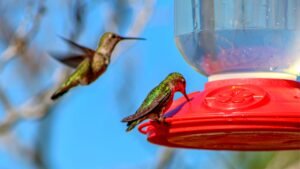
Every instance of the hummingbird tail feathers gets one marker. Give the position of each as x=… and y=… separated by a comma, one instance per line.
x=58, y=94
x=132, y=124
x=129, y=118
x=70, y=83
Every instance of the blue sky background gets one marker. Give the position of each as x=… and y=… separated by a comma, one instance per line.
x=87, y=132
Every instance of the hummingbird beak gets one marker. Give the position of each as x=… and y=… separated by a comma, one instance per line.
x=132, y=38
x=186, y=96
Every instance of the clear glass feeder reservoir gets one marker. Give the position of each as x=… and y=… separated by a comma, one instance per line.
x=250, y=51
x=235, y=36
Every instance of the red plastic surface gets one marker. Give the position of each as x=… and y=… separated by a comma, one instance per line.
x=236, y=114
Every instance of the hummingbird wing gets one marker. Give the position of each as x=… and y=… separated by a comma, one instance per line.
x=157, y=98
x=84, y=49
x=71, y=60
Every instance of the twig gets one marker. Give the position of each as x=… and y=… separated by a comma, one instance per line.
x=138, y=24
x=35, y=108
x=20, y=39
x=46, y=106
x=225, y=161
x=165, y=158
x=283, y=160
x=5, y=100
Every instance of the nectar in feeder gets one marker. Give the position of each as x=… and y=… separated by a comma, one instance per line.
x=250, y=52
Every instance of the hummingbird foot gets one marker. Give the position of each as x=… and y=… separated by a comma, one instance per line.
x=162, y=120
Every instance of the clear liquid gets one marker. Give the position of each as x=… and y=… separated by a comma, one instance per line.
x=231, y=51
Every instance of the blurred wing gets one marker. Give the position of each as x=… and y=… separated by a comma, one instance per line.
x=77, y=46
x=72, y=60
x=159, y=99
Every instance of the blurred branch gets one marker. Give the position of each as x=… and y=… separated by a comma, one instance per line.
x=165, y=158
x=42, y=143
x=142, y=18
x=13, y=144
x=37, y=107
x=78, y=13
x=284, y=160
x=228, y=163
x=17, y=45
x=295, y=165
x=7, y=55
x=5, y=101
x=137, y=26
x=20, y=39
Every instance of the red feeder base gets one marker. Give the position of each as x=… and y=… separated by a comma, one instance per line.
x=236, y=114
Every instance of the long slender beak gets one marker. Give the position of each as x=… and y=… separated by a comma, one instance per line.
x=132, y=38
x=186, y=96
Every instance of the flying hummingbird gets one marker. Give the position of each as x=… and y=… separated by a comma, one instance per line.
x=158, y=101
x=89, y=65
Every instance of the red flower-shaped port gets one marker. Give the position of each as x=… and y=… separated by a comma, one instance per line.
x=235, y=97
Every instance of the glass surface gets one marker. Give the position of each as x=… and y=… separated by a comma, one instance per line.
x=229, y=36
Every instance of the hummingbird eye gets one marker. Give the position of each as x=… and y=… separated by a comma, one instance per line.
x=113, y=36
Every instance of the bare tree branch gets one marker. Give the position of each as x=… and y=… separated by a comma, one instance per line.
x=21, y=37
x=138, y=24
x=284, y=160
x=165, y=158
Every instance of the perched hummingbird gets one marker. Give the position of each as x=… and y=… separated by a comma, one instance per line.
x=89, y=65
x=158, y=101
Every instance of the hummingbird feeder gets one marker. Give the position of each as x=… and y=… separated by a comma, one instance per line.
x=250, y=51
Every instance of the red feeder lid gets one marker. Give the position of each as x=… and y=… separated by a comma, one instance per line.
x=236, y=114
